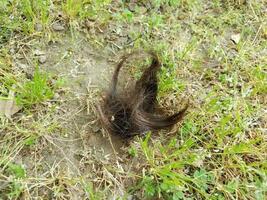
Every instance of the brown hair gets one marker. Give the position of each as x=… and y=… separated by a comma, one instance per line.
x=135, y=112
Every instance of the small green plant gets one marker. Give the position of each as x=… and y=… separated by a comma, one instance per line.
x=167, y=83
x=14, y=188
x=91, y=192
x=35, y=91
x=25, y=14
x=132, y=151
x=17, y=170
x=83, y=9
x=165, y=177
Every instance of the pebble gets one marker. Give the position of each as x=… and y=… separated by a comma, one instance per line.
x=235, y=38
x=142, y=10
x=38, y=27
x=96, y=129
x=56, y=96
x=42, y=59
x=132, y=6
x=58, y=27
x=89, y=24
x=12, y=51
x=38, y=52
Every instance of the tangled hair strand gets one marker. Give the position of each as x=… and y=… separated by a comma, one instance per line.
x=135, y=112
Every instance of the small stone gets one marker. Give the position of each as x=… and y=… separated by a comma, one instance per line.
x=42, y=59
x=38, y=52
x=56, y=96
x=38, y=27
x=96, y=129
x=142, y=10
x=89, y=24
x=58, y=27
x=132, y=6
x=12, y=51
x=235, y=38
x=130, y=197
x=118, y=31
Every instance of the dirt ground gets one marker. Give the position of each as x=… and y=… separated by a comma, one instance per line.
x=80, y=146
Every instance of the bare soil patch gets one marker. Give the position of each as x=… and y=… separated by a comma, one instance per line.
x=78, y=146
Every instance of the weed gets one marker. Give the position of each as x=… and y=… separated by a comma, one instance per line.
x=35, y=91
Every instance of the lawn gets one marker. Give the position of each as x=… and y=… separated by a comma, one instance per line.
x=56, y=59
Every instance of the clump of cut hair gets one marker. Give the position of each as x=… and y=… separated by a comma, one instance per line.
x=134, y=111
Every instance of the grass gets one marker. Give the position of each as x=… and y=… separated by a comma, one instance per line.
x=219, y=150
